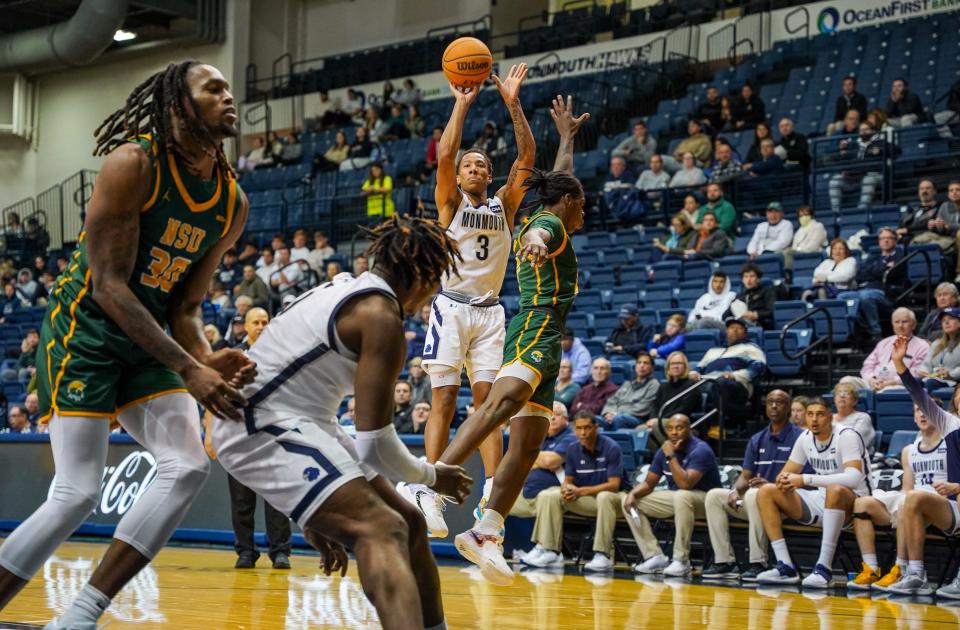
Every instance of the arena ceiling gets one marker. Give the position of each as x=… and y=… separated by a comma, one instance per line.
x=147, y=18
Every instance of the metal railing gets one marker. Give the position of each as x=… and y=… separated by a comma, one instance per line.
x=819, y=341
x=909, y=290
x=744, y=36
x=718, y=410
x=793, y=27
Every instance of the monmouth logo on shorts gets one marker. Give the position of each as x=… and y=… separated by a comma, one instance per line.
x=828, y=21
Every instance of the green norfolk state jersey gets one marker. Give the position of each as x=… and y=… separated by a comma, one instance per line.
x=86, y=365
x=554, y=283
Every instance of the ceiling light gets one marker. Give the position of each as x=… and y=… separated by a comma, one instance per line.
x=123, y=36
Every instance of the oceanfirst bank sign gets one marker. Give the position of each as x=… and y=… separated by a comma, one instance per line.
x=830, y=17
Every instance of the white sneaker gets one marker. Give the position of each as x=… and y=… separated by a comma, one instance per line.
x=478, y=515
x=600, y=562
x=56, y=624
x=677, y=569
x=430, y=504
x=523, y=555
x=820, y=577
x=545, y=559
x=656, y=564
x=485, y=551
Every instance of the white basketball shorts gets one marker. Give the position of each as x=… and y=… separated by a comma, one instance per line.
x=464, y=335
x=893, y=501
x=294, y=465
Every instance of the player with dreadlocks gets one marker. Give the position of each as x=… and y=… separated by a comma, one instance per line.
x=341, y=338
x=165, y=208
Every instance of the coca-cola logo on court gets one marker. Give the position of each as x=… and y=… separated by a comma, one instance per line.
x=123, y=484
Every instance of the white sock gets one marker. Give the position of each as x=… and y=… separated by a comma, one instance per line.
x=440, y=626
x=870, y=559
x=491, y=523
x=781, y=552
x=487, y=487
x=832, y=525
x=902, y=563
x=915, y=567
x=87, y=607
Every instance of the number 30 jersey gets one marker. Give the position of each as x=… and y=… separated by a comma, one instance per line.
x=484, y=239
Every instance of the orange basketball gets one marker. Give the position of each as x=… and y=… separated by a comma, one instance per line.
x=467, y=62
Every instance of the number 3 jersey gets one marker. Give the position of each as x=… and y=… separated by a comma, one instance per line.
x=484, y=239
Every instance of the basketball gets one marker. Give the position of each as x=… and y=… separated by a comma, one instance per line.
x=467, y=62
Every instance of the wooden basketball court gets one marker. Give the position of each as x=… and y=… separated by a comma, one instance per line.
x=189, y=588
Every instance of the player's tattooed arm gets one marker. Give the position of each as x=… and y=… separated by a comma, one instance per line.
x=512, y=191
x=446, y=194
x=112, y=237
x=567, y=126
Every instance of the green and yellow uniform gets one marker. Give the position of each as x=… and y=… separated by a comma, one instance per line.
x=546, y=297
x=86, y=365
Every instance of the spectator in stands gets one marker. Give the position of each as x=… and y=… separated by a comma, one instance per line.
x=929, y=221
x=329, y=111
x=378, y=189
x=761, y=133
x=696, y=143
x=231, y=271
x=733, y=370
x=491, y=141
x=691, y=470
x=638, y=148
x=419, y=381
x=792, y=146
x=402, y=405
x=765, y=455
x=678, y=381
x=27, y=288
x=845, y=399
x=347, y=417
x=218, y=295
x=682, y=238
x=617, y=187
x=850, y=124
x=360, y=151
x=574, y=351
x=878, y=372
x=353, y=105
x=46, y=283
x=849, y=100
x=408, y=95
x=798, y=411
x=869, y=146
x=873, y=296
x=376, y=127
x=773, y=235
x=237, y=333
x=332, y=270
x=39, y=266
x=26, y=365
x=360, y=265
x=253, y=287
x=653, y=178
x=10, y=302
x=415, y=331
x=709, y=310
x=633, y=402
x=769, y=163
x=671, y=339
x=725, y=167
x=266, y=265
x=946, y=296
x=835, y=274
x=709, y=112
x=903, y=107
x=254, y=157
x=810, y=237
x=712, y=242
x=62, y=263
x=726, y=114
x=287, y=276
x=689, y=174
x=593, y=485
x=941, y=368
x=214, y=338
x=18, y=423
x=320, y=252
x=249, y=254
x=593, y=396
x=723, y=209
x=415, y=421
x=36, y=237
x=334, y=156
x=299, y=251
x=414, y=122
x=394, y=126
x=877, y=119
x=32, y=404
x=747, y=109
x=630, y=336
x=691, y=206
x=13, y=226
x=950, y=115
x=548, y=467
x=566, y=389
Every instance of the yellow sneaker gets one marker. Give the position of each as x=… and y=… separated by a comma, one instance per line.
x=892, y=576
x=863, y=581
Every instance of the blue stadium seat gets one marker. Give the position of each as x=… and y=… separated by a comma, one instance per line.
x=604, y=322
x=580, y=324
x=803, y=266
x=794, y=341
x=657, y=296
x=624, y=439
x=635, y=275
x=898, y=440
x=589, y=301
x=623, y=295
x=895, y=411
x=697, y=270
x=699, y=341
x=666, y=271
x=784, y=312
x=840, y=319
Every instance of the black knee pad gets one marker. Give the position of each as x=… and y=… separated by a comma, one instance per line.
x=862, y=515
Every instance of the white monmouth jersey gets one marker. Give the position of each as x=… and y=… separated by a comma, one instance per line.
x=828, y=459
x=303, y=371
x=928, y=466
x=485, y=240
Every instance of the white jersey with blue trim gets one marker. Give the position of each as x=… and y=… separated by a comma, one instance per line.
x=303, y=370
x=928, y=467
x=485, y=240
x=843, y=446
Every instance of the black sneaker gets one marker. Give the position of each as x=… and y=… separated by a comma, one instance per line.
x=281, y=561
x=246, y=561
x=751, y=572
x=720, y=571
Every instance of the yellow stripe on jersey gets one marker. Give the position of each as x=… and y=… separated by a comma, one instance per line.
x=231, y=203
x=187, y=199
x=68, y=336
x=536, y=271
x=523, y=332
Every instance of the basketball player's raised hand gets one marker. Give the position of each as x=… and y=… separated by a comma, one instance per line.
x=510, y=87
x=535, y=253
x=563, y=118
x=452, y=481
x=464, y=95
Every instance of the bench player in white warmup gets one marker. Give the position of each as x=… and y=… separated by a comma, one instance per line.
x=467, y=324
x=346, y=337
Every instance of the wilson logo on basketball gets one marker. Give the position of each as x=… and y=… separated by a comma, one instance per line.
x=472, y=66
